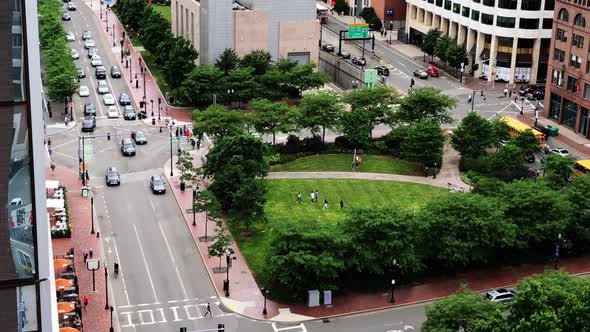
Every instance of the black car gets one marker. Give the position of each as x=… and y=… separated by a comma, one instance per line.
x=536, y=94
x=124, y=99
x=382, y=71
x=139, y=137
x=115, y=72
x=129, y=113
x=91, y=52
x=81, y=72
x=66, y=17
x=112, y=177
x=100, y=72
x=359, y=61
x=89, y=123
x=127, y=147
x=328, y=48
x=89, y=109
x=344, y=55
x=157, y=184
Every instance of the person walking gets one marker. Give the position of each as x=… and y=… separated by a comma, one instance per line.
x=85, y=301
x=299, y=200
x=317, y=195
x=325, y=203
x=90, y=253
x=116, y=269
x=312, y=196
x=208, y=312
x=66, y=120
x=505, y=92
x=341, y=204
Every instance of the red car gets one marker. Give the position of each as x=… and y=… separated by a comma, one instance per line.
x=432, y=71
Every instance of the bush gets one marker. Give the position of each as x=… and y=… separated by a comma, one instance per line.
x=342, y=142
x=479, y=165
x=293, y=144
x=313, y=144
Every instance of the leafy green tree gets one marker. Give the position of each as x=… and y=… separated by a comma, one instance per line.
x=260, y=60
x=288, y=78
x=356, y=127
x=507, y=164
x=130, y=12
x=501, y=132
x=305, y=255
x=321, y=109
x=222, y=241
x=248, y=201
x=340, y=6
x=217, y=121
x=426, y=103
x=442, y=45
x=558, y=170
x=181, y=62
x=579, y=228
x=241, y=80
x=465, y=229
x=377, y=233
x=473, y=136
x=458, y=312
x=369, y=15
x=206, y=202
x=201, y=84
x=488, y=186
x=271, y=118
x=429, y=42
x=227, y=61
x=154, y=30
x=527, y=142
x=456, y=55
x=377, y=102
x=423, y=143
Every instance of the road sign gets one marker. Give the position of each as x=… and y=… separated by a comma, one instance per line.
x=371, y=77
x=358, y=31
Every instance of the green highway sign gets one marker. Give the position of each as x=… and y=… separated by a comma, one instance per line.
x=371, y=77
x=358, y=31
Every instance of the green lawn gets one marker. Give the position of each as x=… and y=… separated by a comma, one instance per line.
x=165, y=11
x=343, y=163
x=281, y=207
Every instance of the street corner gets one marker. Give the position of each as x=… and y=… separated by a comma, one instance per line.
x=285, y=315
x=59, y=128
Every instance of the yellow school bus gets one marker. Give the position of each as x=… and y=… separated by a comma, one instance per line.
x=517, y=127
x=582, y=167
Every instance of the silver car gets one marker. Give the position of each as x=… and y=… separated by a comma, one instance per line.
x=74, y=54
x=103, y=87
x=88, y=43
x=96, y=61
x=108, y=99
x=500, y=295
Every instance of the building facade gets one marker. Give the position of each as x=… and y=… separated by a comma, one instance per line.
x=391, y=12
x=507, y=40
x=567, y=96
x=286, y=29
x=27, y=290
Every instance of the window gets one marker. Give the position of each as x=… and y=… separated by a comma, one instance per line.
x=430, y=1
x=558, y=55
x=465, y=12
x=531, y=5
x=477, y=1
x=570, y=112
x=580, y=20
x=572, y=84
x=563, y=15
x=549, y=4
x=529, y=23
x=487, y=19
x=475, y=15
x=456, y=8
x=578, y=41
x=547, y=23
x=576, y=61
x=507, y=4
x=448, y=4
x=555, y=107
x=439, y=3
x=557, y=77
x=587, y=66
x=25, y=260
x=489, y=3
x=586, y=91
x=560, y=34
x=506, y=22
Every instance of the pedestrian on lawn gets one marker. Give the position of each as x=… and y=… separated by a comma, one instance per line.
x=299, y=200
x=317, y=195
x=325, y=203
x=208, y=310
x=341, y=204
x=312, y=196
x=85, y=301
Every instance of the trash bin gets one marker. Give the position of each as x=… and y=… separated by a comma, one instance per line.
x=553, y=131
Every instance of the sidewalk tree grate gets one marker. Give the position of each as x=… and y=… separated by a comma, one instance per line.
x=189, y=210
x=218, y=269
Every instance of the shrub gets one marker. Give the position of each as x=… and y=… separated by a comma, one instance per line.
x=293, y=144
x=342, y=142
x=313, y=144
x=473, y=164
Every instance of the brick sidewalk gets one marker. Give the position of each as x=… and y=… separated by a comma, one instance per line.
x=95, y=318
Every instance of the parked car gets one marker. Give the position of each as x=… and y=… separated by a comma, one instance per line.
x=66, y=17
x=92, y=52
x=96, y=60
x=432, y=71
x=127, y=147
x=115, y=72
x=88, y=43
x=421, y=73
x=100, y=72
x=382, y=71
x=112, y=176
x=328, y=48
x=536, y=94
x=71, y=6
x=129, y=113
x=86, y=35
x=560, y=152
x=157, y=184
x=83, y=91
x=124, y=99
x=89, y=123
x=108, y=99
x=530, y=88
x=344, y=55
x=89, y=109
x=70, y=36
x=81, y=72
x=500, y=295
x=113, y=112
x=358, y=61
x=75, y=54
x=102, y=87
x=139, y=137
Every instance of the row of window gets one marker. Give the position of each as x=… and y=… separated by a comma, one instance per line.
x=507, y=4
x=577, y=41
x=579, y=19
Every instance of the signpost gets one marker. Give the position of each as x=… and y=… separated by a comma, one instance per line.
x=371, y=77
x=358, y=31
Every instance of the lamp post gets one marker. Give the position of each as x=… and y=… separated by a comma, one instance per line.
x=91, y=212
x=355, y=84
x=106, y=288
x=557, y=251
x=194, y=202
x=130, y=66
x=107, y=13
x=265, y=294
x=93, y=264
x=143, y=72
x=122, y=42
x=113, y=35
x=100, y=9
x=171, y=167
x=228, y=259
x=392, y=299
x=111, y=329
x=230, y=92
x=152, y=101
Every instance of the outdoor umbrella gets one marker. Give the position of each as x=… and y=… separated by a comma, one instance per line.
x=65, y=307
x=60, y=263
x=61, y=284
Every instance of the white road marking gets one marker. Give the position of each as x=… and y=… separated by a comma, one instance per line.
x=176, y=318
x=172, y=257
x=121, y=271
x=145, y=262
x=159, y=314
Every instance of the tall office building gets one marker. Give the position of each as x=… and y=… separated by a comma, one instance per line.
x=27, y=291
x=567, y=95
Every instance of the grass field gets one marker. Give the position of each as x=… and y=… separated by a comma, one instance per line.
x=281, y=207
x=165, y=11
x=343, y=163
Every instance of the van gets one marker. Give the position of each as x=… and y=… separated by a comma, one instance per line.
x=100, y=72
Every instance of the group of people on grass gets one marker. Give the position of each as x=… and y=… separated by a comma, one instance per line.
x=314, y=196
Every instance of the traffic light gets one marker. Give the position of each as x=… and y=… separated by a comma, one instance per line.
x=220, y=327
x=108, y=136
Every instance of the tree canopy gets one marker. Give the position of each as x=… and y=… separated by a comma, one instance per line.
x=217, y=121
x=322, y=109
x=426, y=103
x=423, y=143
x=272, y=118
x=473, y=136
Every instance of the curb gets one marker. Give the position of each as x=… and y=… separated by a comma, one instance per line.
x=63, y=131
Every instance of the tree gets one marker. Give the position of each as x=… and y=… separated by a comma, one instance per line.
x=187, y=169
x=579, y=228
x=558, y=170
x=206, y=202
x=429, y=42
x=377, y=102
x=222, y=242
x=423, y=143
x=378, y=233
x=527, y=142
x=457, y=55
x=269, y=118
x=465, y=229
x=227, y=61
x=459, y=312
x=241, y=80
x=507, y=164
x=340, y=6
x=501, y=132
x=369, y=15
x=321, y=109
x=473, y=136
x=442, y=46
x=131, y=12
x=154, y=30
x=217, y=121
x=426, y=103
x=201, y=84
x=181, y=61
x=356, y=127
x=260, y=60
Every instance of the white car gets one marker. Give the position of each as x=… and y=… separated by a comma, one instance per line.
x=103, y=87
x=560, y=152
x=88, y=43
x=96, y=61
x=113, y=112
x=74, y=54
x=71, y=6
x=108, y=99
x=70, y=36
x=83, y=91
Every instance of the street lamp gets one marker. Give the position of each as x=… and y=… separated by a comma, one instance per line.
x=152, y=101
x=557, y=251
x=228, y=259
x=106, y=287
x=130, y=66
x=355, y=84
x=113, y=35
x=122, y=42
x=171, y=166
x=112, y=329
x=392, y=299
x=91, y=212
x=230, y=92
x=265, y=294
x=194, y=202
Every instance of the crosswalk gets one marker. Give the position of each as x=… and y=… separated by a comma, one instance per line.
x=292, y=328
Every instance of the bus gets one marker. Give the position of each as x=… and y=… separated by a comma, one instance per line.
x=322, y=13
x=582, y=167
x=517, y=127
